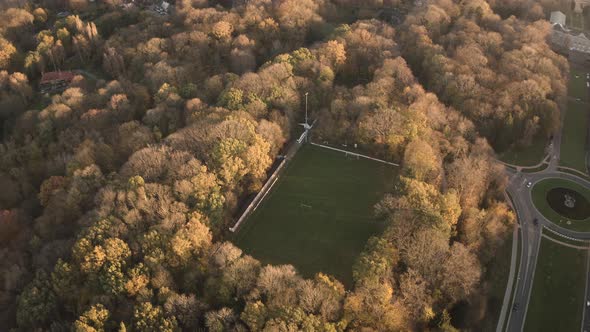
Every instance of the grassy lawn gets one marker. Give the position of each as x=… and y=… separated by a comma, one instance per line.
x=573, y=142
x=557, y=297
x=525, y=156
x=319, y=214
x=536, y=169
x=496, y=277
x=576, y=20
x=539, y=199
x=577, y=84
x=565, y=240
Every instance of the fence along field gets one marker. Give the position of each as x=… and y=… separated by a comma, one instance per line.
x=319, y=213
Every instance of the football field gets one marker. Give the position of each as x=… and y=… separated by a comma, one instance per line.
x=319, y=214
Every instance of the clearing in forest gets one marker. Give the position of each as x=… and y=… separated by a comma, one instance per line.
x=319, y=214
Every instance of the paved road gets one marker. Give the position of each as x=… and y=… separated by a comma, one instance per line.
x=531, y=238
x=510, y=284
x=586, y=310
x=520, y=192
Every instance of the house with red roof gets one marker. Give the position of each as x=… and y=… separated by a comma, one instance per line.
x=55, y=81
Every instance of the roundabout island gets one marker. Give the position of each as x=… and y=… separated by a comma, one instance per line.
x=563, y=202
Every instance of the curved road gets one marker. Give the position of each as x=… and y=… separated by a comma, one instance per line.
x=531, y=234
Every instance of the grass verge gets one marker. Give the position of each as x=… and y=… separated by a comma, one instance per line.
x=536, y=169
x=579, y=243
x=573, y=142
x=525, y=156
x=558, y=289
x=576, y=21
x=496, y=277
x=577, y=84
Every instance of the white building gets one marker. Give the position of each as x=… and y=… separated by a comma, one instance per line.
x=557, y=18
x=563, y=40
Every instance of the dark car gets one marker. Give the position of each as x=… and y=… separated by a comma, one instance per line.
x=515, y=307
x=535, y=221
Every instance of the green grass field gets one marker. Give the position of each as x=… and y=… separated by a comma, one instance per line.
x=525, y=156
x=557, y=297
x=577, y=84
x=539, y=199
x=556, y=237
x=319, y=214
x=496, y=280
x=576, y=20
x=573, y=141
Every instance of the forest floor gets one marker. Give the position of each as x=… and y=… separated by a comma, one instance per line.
x=319, y=215
x=557, y=297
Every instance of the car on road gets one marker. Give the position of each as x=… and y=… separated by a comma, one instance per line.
x=515, y=307
x=529, y=184
x=588, y=303
x=535, y=221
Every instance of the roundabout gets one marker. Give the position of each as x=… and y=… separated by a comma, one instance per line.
x=554, y=231
x=563, y=202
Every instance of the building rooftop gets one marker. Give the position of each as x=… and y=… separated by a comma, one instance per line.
x=57, y=76
x=558, y=18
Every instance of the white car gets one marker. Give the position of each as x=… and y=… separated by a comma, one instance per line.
x=528, y=185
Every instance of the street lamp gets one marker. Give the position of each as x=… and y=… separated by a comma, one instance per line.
x=306, y=107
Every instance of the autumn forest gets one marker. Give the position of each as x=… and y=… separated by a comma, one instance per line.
x=117, y=192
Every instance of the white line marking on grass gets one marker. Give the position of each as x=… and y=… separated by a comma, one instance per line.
x=266, y=193
x=354, y=154
x=265, y=189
